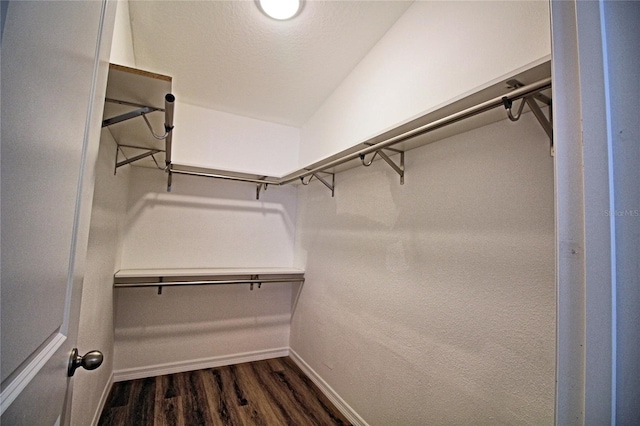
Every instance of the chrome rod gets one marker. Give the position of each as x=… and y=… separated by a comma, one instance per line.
x=214, y=282
x=515, y=94
x=217, y=176
x=169, y=100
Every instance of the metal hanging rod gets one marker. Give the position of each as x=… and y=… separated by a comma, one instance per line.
x=169, y=103
x=527, y=93
x=254, y=280
x=515, y=94
x=219, y=176
x=210, y=282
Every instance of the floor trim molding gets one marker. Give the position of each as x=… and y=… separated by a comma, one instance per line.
x=197, y=364
x=333, y=396
x=103, y=400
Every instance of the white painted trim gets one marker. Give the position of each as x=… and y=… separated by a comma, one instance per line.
x=197, y=364
x=103, y=401
x=17, y=385
x=328, y=391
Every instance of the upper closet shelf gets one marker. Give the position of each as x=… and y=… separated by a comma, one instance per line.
x=138, y=112
x=205, y=276
x=132, y=93
x=505, y=98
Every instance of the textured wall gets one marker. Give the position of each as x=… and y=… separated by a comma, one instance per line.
x=202, y=223
x=191, y=326
x=96, y=313
x=433, y=302
x=219, y=140
x=206, y=223
x=435, y=52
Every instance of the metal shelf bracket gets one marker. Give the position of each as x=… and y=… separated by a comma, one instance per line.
x=532, y=100
x=261, y=187
x=399, y=168
x=146, y=152
x=254, y=278
x=331, y=185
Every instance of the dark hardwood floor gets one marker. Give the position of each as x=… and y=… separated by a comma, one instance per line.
x=265, y=393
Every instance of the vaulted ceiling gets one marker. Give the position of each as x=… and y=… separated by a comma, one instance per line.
x=228, y=56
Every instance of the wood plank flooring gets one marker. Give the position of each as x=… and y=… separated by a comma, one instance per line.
x=263, y=393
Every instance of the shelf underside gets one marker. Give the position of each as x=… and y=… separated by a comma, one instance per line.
x=136, y=87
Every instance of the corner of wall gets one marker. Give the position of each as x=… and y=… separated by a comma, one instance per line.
x=122, y=51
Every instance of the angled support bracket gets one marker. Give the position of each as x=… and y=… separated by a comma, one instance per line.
x=532, y=101
x=253, y=278
x=148, y=152
x=137, y=157
x=143, y=110
x=127, y=116
x=260, y=187
x=331, y=185
x=399, y=168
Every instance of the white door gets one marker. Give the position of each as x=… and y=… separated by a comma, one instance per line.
x=52, y=79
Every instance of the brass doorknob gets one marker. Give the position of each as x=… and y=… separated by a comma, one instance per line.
x=89, y=361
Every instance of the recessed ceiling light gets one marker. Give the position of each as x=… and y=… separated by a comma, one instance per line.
x=280, y=9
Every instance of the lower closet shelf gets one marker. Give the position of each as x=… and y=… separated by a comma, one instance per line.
x=127, y=278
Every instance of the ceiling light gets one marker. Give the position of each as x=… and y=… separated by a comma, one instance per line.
x=280, y=9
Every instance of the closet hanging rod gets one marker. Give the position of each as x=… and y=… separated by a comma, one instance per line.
x=218, y=176
x=496, y=102
x=515, y=94
x=210, y=282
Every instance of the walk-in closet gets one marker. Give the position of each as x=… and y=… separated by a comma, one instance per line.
x=368, y=213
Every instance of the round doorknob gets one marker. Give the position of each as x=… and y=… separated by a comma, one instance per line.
x=89, y=361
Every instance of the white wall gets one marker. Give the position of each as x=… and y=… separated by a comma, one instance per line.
x=220, y=140
x=206, y=223
x=96, y=329
x=202, y=223
x=122, y=45
x=435, y=52
x=198, y=327
x=433, y=302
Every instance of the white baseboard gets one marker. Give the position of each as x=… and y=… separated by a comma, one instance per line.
x=197, y=364
x=103, y=401
x=333, y=396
